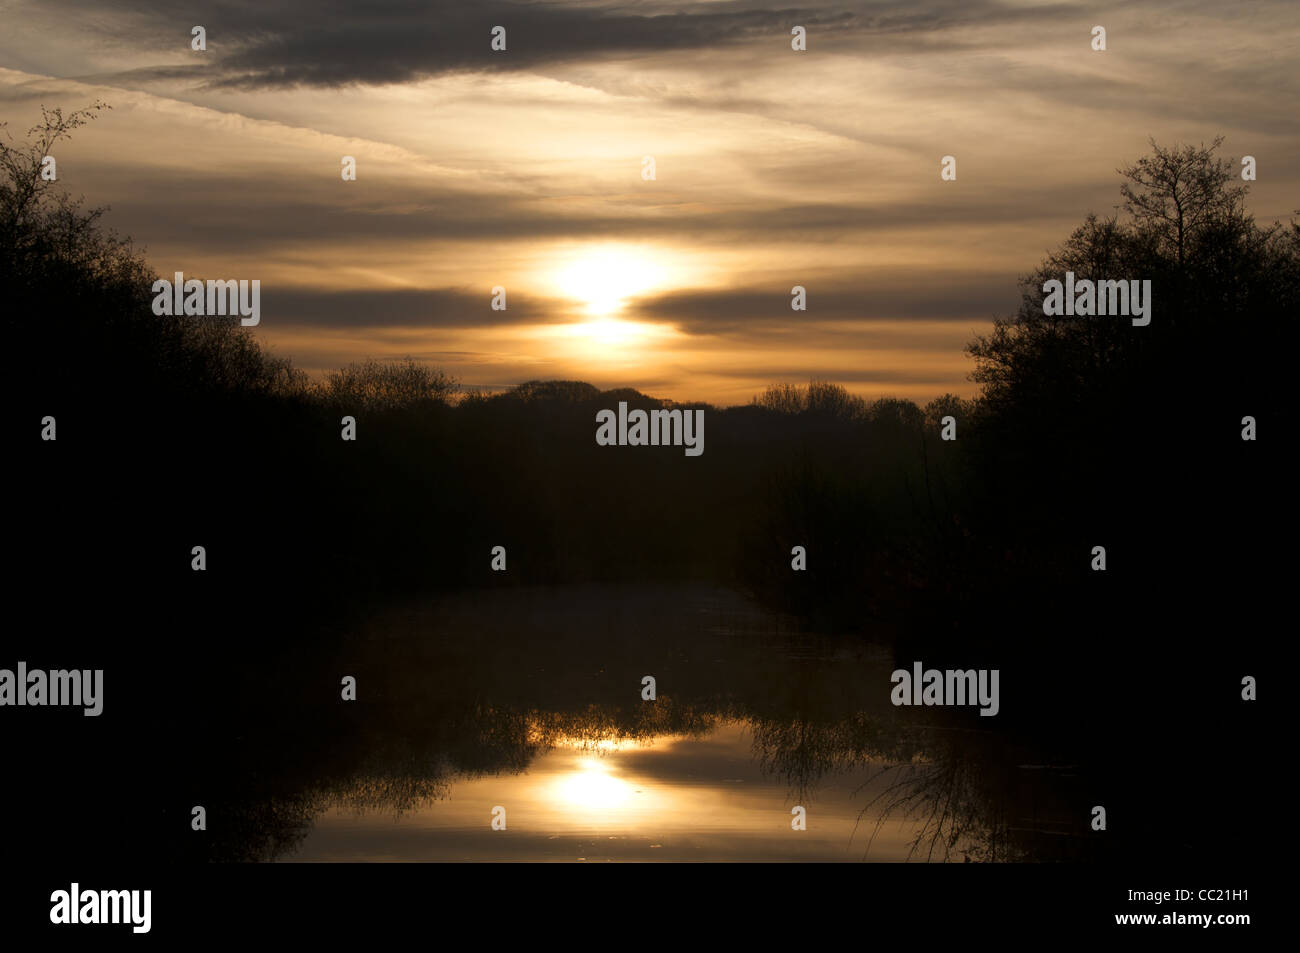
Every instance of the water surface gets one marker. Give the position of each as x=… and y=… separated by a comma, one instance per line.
x=530, y=700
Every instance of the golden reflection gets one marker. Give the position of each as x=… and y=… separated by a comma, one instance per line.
x=592, y=785
x=606, y=744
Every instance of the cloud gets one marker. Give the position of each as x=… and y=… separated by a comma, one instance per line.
x=433, y=214
x=335, y=43
x=774, y=169
x=435, y=308
x=894, y=293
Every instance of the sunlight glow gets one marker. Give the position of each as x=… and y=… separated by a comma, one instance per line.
x=606, y=339
x=605, y=278
x=592, y=786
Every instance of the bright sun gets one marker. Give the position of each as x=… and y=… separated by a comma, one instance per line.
x=603, y=280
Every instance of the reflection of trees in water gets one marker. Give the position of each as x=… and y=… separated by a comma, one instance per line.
x=273, y=827
x=959, y=786
x=399, y=772
x=957, y=813
x=439, y=711
x=804, y=751
x=950, y=784
x=949, y=788
x=599, y=725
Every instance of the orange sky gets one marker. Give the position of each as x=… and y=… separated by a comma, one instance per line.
x=774, y=168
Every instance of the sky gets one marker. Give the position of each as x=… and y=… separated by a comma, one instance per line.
x=523, y=169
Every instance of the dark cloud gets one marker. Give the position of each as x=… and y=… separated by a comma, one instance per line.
x=440, y=308
x=937, y=380
x=762, y=315
x=910, y=293
x=336, y=43
x=250, y=212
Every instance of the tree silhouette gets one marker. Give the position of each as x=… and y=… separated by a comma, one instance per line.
x=1211, y=266
x=1180, y=197
x=376, y=385
x=1068, y=402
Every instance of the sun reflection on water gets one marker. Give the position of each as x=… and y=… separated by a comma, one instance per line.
x=592, y=785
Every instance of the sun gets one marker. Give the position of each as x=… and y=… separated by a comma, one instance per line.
x=603, y=279
x=599, y=284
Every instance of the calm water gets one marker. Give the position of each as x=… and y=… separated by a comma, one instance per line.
x=530, y=700
x=670, y=798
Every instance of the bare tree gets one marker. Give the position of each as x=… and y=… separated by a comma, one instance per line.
x=373, y=385
x=22, y=165
x=1179, y=193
